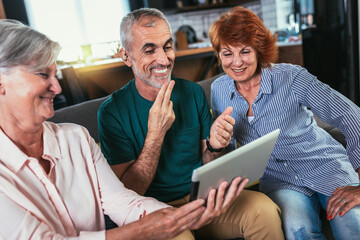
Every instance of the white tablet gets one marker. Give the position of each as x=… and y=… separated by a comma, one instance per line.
x=248, y=161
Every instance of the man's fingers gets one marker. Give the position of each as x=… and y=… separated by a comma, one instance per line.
x=160, y=97
x=168, y=91
x=161, y=114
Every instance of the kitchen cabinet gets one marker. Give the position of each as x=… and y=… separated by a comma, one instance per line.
x=291, y=53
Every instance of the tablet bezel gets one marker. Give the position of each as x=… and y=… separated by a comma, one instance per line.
x=223, y=168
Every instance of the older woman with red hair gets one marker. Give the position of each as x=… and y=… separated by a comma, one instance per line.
x=308, y=169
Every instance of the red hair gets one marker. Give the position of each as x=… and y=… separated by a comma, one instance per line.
x=241, y=26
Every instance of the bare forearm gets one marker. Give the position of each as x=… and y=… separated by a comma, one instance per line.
x=208, y=156
x=141, y=172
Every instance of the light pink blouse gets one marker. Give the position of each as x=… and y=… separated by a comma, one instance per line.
x=70, y=201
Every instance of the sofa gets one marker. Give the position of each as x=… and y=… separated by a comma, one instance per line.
x=85, y=114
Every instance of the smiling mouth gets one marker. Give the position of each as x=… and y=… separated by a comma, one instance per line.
x=160, y=70
x=48, y=99
x=239, y=70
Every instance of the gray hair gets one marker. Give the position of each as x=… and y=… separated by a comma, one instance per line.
x=133, y=18
x=22, y=46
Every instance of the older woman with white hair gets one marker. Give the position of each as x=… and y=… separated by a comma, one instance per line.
x=54, y=180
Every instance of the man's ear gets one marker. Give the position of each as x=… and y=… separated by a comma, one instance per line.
x=125, y=57
x=2, y=89
x=2, y=83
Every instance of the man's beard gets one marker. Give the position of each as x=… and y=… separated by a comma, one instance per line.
x=151, y=80
x=156, y=83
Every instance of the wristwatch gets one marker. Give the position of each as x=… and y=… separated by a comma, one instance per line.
x=210, y=148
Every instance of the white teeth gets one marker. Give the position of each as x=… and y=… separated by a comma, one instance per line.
x=235, y=70
x=160, y=71
x=48, y=99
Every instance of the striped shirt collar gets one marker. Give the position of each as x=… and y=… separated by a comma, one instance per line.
x=266, y=86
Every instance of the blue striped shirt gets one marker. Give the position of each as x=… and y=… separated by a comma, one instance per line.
x=305, y=157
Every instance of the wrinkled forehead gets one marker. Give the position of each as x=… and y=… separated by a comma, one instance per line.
x=150, y=30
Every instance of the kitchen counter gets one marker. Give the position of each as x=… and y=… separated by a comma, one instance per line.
x=287, y=44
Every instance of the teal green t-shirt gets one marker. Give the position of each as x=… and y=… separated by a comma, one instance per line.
x=123, y=125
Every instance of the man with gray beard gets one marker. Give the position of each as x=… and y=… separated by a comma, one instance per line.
x=156, y=130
